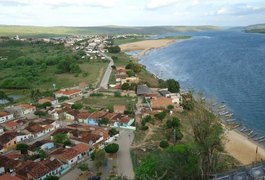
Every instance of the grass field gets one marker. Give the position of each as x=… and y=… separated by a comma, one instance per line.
x=106, y=101
x=38, y=31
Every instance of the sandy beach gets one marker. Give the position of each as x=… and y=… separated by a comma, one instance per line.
x=146, y=44
x=242, y=148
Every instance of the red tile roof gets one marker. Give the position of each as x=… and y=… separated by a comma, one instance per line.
x=83, y=115
x=11, y=124
x=69, y=154
x=97, y=115
x=124, y=119
x=9, y=177
x=3, y=114
x=81, y=148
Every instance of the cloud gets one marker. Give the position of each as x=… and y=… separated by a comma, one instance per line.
x=62, y=3
x=157, y=4
x=239, y=10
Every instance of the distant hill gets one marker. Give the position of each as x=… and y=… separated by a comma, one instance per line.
x=258, y=28
x=102, y=30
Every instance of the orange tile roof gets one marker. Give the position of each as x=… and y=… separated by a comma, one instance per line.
x=82, y=148
x=11, y=124
x=46, y=99
x=9, y=177
x=97, y=115
x=3, y=113
x=83, y=115
x=124, y=119
x=69, y=154
x=111, y=116
x=68, y=92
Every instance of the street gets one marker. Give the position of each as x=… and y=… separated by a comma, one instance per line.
x=105, y=80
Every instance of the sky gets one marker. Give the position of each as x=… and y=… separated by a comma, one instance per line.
x=132, y=12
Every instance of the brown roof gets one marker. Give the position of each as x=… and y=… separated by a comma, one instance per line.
x=73, y=112
x=3, y=113
x=26, y=106
x=98, y=115
x=8, y=162
x=161, y=102
x=39, y=170
x=69, y=154
x=11, y=124
x=86, y=136
x=83, y=115
x=37, y=144
x=119, y=108
x=111, y=116
x=9, y=177
x=52, y=164
x=61, y=131
x=124, y=119
x=121, y=76
x=34, y=128
x=68, y=92
x=8, y=136
x=82, y=148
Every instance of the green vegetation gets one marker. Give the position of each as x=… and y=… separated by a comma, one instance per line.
x=172, y=85
x=163, y=144
x=38, y=31
x=62, y=139
x=259, y=28
x=23, y=148
x=107, y=101
x=3, y=96
x=77, y=106
x=114, y=49
x=112, y=148
x=113, y=132
x=37, y=64
x=52, y=178
x=83, y=166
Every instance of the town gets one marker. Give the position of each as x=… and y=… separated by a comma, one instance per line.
x=83, y=131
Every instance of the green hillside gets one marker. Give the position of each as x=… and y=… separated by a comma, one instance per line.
x=102, y=30
x=259, y=28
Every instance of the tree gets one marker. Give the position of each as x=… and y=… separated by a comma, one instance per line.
x=130, y=73
x=174, y=122
x=83, y=166
x=170, y=107
x=163, y=144
x=51, y=178
x=112, y=148
x=63, y=98
x=99, y=157
x=35, y=94
x=161, y=115
x=207, y=134
x=103, y=121
x=178, y=134
x=173, y=85
x=113, y=132
x=23, y=148
x=77, y=106
x=114, y=49
x=125, y=86
x=3, y=96
x=187, y=101
x=42, y=154
x=60, y=138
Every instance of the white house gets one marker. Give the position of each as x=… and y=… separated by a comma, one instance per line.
x=5, y=116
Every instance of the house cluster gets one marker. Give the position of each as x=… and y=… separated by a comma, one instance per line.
x=122, y=75
x=157, y=100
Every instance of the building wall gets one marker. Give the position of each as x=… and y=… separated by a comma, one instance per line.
x=6, y=118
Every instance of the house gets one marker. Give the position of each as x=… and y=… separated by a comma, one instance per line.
x=8, y=165
x=119, y=108
x=40, y=170
x=72, y=155
x=5, y=116
x=123, y=121
x=15, y=124
x=43, y=144
x=70, y=93
x=71, y=115
x=21, y=110
x=95, y=117
x=51, y=100
x=83, y=116
x=9, y=177
x=145, y=91
x=8, y=140
x=130, y=80
x=87, y=137
x=1, y=129
x=160, y=103
x=164, y=92
x=41, y=128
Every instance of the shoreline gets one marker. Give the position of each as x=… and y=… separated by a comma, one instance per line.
x=237, y=144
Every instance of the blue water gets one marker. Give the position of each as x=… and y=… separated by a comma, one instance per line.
x=228, y=65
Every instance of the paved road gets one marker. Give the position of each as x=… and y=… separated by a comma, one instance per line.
x=124, y=161
x=105, y=80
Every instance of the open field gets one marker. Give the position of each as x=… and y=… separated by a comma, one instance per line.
x=106, y=101
x=38, y=31
x=127, y=40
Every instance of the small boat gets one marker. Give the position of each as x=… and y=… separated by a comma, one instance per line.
x=259, y=138
x=236, y=126
x=254, y=135
x=230, y=120
x=243, y=129
x=229, y=115
x=250, y=133
x=222, y=113
x=222, y=106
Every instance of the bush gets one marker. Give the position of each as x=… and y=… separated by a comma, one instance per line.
x=112, y=148
x=23, y=148
x=161, y=115
x=113, y=132
x=117, y=94
x=125, y=86
x=77, y=106
x=144, y=128
x=41, y=113
x=173, y=123
x=114, y=49
x=62, y=99
x=83, y=166
x=163, y=144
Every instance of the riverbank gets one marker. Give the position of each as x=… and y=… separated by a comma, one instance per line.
x=237, y=145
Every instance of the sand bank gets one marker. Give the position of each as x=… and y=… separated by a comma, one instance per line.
x=242, y=148
x=146, y=44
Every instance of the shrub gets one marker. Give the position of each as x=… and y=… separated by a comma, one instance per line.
x=112, y=148
x=163, y=144
x=144, y=128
